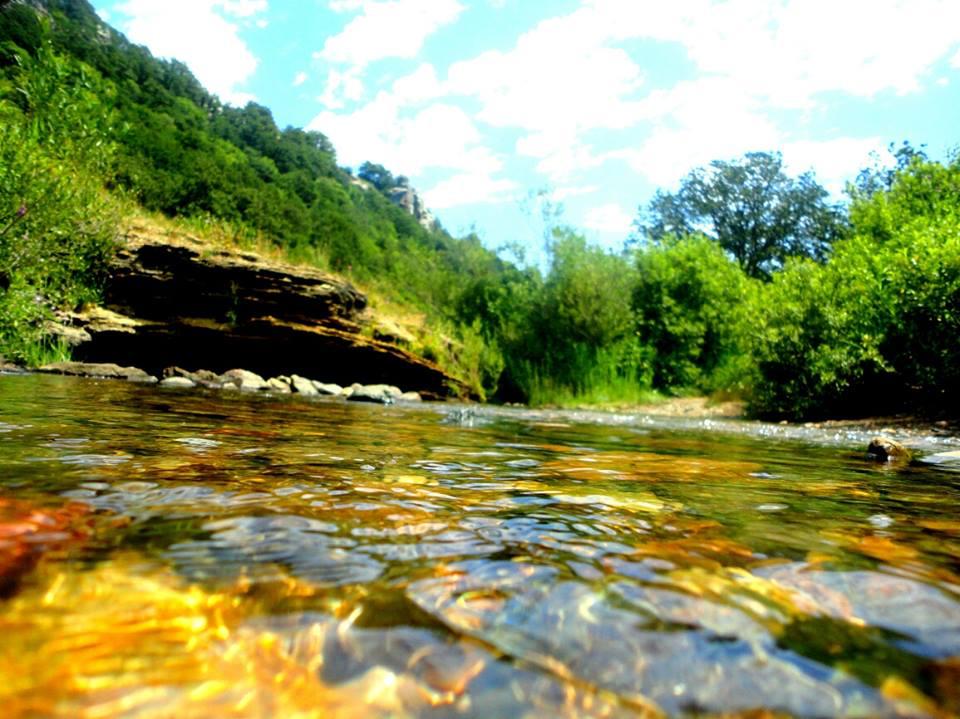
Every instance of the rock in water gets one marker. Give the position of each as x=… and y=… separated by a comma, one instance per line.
x=328, y=388
x=99, y=370
x=244, y=379
x=177, y=382
x=302, y=385
x=885, y=449
x=382, y=393
x=278, y=384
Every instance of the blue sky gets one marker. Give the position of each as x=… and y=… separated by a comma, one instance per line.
x=490, y=105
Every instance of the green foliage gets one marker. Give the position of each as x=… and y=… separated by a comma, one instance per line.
x=694, y=310
x=876, y=329
x=757, y=213
x=56, y=226
x=567, y=338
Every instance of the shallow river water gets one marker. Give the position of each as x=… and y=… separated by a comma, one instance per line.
x=172, y=554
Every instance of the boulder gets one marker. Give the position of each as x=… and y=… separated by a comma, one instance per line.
x=328, y=388
x=278, y=384
x=202, y=377
x=884, y=449
x=945, y=459
x=243, y=379
x=302, y=385
x=380, y=393
x=178, y=383
x=99, y=370
x=411, y=397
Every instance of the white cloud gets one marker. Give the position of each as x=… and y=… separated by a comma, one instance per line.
x=437, y=136
x=198, y=33
x=301, y=78
x=394, y=28
x=469, y=189
x=835, y=161
x=569, y=75
x=699, y=121
x=955, y=61
x=574, y=81
x=609, y=218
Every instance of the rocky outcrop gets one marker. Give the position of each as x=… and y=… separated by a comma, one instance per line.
x=409, y=199
x=179, y=303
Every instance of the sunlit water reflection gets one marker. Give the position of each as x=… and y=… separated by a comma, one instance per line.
x=193, y=555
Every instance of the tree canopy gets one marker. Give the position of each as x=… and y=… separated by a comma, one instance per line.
x=757, y=212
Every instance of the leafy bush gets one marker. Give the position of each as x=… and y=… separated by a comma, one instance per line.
x=693, y=309
x=57, y=226
x=875, y=330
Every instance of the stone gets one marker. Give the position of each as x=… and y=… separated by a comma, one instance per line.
x=244, y=380
x=302, y=385
x=202, y=377
x=277, y=384
x=884, y=449
x=328, y=388
x=411, y=397
x=178, y=382
x=8, y=366
x=98, y=370
x=950, y=459
x=379, y=393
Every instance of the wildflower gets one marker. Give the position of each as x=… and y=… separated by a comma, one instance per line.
x=21, y=211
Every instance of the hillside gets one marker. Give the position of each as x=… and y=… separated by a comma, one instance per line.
x=164, y=144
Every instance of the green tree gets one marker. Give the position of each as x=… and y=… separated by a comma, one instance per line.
x=758, y=213
x=693, y=309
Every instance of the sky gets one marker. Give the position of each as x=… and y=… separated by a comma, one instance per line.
x=497, y=108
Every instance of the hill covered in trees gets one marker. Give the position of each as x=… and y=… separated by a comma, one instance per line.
x=745, y=281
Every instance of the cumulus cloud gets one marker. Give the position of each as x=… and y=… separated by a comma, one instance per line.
x=835, y=161
x=204, y=34
x=437, y=136
x=469, y=189
x=394, y=28
x=300, y=78
x=609, y=218
x=572, y=83
x=383, y=29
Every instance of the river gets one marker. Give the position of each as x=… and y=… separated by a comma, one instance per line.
x=201, y=554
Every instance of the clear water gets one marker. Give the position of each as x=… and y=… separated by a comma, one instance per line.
x=222, y=555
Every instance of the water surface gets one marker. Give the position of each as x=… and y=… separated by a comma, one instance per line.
x=195, y=554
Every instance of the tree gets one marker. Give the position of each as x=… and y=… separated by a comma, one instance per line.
x=376, y=175
x=757, y=213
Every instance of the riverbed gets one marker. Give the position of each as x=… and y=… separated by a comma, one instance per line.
x=204, y=554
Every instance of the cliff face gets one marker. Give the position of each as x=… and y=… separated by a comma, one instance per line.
x=179, y=303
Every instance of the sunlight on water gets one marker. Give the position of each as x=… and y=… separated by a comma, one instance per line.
x=197, y=555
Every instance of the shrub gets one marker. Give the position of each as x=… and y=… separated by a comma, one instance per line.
x=693, y=308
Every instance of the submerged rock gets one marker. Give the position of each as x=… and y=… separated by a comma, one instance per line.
x=328, y=388
x=202, y=377
x=884, y=449
x=244, y=379
x=278, y=384
x=99, y=370
x=382, y=393
x=302, y=385
x=950, y=459
x=178, y=383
